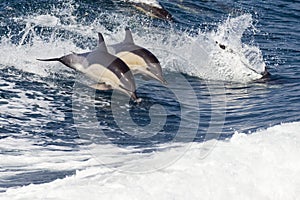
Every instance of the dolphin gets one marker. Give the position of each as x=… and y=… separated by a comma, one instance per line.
x=265, y=73
x=138, y=59
x=107, y=70
x=155, y=10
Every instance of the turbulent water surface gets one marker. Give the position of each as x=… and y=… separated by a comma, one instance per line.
x=218, y=129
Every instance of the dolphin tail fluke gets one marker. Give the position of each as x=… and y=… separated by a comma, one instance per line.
x=50, y=59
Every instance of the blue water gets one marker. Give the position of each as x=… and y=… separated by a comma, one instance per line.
x=41, y=105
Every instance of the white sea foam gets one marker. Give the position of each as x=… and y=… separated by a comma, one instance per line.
x=263, y=165
x=24, y=56
x=45, y=20
x=204, y=58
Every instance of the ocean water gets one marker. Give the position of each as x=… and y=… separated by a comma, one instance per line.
x=217, y=130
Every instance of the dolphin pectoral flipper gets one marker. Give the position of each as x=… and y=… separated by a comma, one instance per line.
x=101, y=86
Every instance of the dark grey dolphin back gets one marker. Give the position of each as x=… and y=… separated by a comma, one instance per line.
x=151, y=61
x=129, y=45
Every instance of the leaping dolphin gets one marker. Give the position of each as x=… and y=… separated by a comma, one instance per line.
x=107, y=70
x=138, y=59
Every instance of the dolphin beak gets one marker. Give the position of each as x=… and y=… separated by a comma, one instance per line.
x=156, y=73
x=161, y=79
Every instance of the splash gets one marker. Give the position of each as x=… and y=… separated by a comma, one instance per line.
x=220, y=54
x=215, y=55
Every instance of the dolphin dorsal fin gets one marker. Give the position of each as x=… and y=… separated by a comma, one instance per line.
x=128, y=37
x=101, y=43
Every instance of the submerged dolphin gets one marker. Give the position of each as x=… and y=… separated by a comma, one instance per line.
x=265, y=73
x=138, y=59
x=153, y=10
x=107, y=70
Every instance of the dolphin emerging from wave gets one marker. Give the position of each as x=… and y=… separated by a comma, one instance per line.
x=139, y=60
x=152, y=8
x=108, y=71
x=265, y=73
